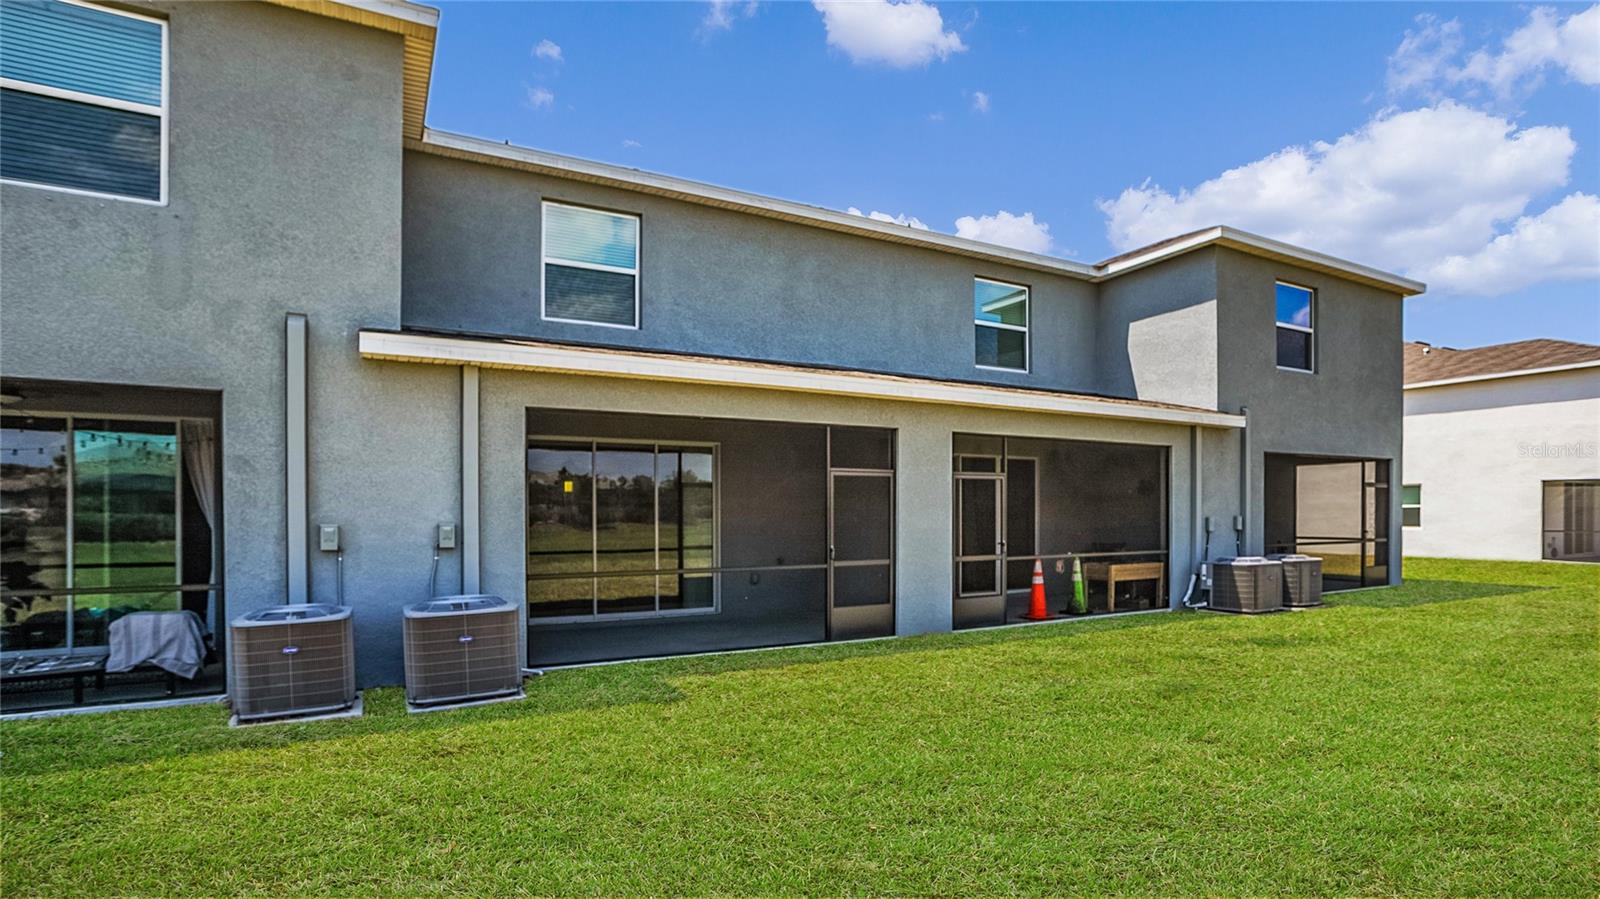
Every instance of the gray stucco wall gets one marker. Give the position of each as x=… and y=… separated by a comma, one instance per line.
x=284, y=194
x=290, y=193
x=722, y=283
x=1350, y=406
x=1156, y=332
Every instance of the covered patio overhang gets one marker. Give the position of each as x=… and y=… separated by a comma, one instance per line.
x=544, y=356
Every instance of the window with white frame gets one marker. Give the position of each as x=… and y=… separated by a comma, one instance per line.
x=590, y=267
x=1296, y=337
x=1411, y=505
x=1000, y=316
x=83, y=99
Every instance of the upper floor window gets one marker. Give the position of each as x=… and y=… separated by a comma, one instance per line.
x=1000, y=312
x=1296, y=339
x=591, y=266
x=83, y=99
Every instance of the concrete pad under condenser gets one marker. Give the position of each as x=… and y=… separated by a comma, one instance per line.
x=354, y=711
x=450, y=706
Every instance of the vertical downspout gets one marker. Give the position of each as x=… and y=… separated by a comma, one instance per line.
x=1197, y=538
x=1196, y=496
x=471, y=570
x=295, y=477
x=1244, y=483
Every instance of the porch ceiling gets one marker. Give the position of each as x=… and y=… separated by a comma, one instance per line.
x=530, y=355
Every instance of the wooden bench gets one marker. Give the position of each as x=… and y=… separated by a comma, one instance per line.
x=1114, y=573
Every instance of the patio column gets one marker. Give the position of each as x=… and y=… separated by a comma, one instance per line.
x=923, y=517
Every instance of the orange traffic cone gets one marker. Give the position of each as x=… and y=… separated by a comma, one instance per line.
x=1036, y=609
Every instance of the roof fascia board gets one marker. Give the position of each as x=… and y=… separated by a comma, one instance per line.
x=1266, y=246
x=398, y=9
x=609, y=175
x=443, y=350
x=464, y=146
x=1501, y=375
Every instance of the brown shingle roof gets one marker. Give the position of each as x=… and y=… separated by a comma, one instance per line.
x=1438, y=363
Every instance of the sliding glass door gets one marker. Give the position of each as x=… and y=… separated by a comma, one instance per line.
x=92, y=525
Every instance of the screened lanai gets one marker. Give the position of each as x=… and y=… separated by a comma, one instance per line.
x=1019, y=500
x=657, y=535
x=1336, y=509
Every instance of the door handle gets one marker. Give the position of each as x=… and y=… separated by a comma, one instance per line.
x=830, y=552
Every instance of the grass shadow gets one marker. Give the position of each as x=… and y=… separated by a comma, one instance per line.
x=1417, y=592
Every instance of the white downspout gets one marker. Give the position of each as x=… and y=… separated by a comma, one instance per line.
x=1244, y=483
x=471, y=563
x=295, y=476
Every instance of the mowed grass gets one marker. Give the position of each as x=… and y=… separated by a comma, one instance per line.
x=1434, y=738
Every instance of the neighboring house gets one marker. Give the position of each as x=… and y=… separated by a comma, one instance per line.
x=247, y=293
x=1502, y=457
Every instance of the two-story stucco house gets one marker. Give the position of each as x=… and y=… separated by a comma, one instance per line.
x=246, y=294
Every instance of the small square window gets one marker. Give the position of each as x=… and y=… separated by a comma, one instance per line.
x=1411, y=505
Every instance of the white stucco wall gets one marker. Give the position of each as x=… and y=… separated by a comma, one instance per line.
x=1481, y=452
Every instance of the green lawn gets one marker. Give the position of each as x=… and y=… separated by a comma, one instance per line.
x=1434, y=738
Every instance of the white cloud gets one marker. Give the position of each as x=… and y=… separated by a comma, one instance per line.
x=1424, y=56
x=631, y=144
x=548, y=49
x=910, y=221
x=935, y=116
x=902, y=35
x=540, y=98
x=1562, y=243
x=720, y=14
x=1405, y=191
x=1007, y=230
x=1428, y=59
x=980, y=101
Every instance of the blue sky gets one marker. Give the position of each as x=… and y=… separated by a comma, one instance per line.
x=1456, y=143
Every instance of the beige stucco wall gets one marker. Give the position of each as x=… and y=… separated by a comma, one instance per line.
x=1481, y=452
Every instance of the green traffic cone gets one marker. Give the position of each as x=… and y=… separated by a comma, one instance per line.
x=1080, y=598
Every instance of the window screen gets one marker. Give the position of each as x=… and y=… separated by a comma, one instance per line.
x=84, y=98
x=591, y=266
x=1572, y=521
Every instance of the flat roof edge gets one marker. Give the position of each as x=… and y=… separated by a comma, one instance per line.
x=529, y=355
x=462, y=146
x=609, y=174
